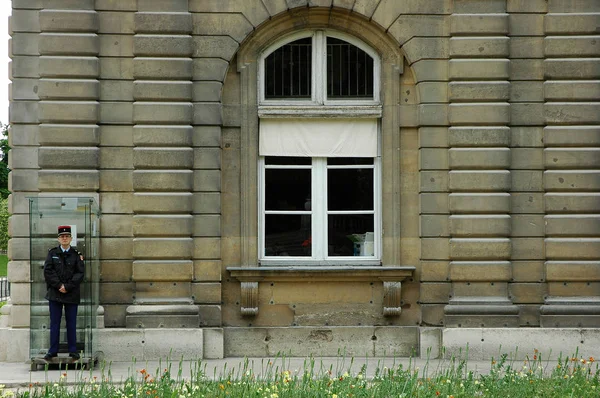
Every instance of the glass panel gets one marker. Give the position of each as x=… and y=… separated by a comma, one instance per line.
x=288, y=160
x=45, y=215
x=349, y=71
x=287, y=189
x=349, y=161
x=350, y=235
x=288, y=71
x=287, y=235
x=350, y=189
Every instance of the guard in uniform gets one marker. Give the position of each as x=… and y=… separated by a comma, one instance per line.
x=63, y=272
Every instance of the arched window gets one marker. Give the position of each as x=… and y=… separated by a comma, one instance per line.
x=319, y=152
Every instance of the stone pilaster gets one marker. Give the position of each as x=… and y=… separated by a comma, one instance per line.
x=479, y=156
x=163, y=159
x=571, y=165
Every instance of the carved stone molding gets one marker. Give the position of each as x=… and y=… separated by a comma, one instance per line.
x=392, y=298
x=249, y=300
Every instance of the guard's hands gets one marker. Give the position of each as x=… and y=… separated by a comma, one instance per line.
x=62, y=289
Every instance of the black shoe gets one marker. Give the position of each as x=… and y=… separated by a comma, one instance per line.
x=74, y=355
x=48, y=356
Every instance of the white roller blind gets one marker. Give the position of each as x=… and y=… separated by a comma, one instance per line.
x=318, y=137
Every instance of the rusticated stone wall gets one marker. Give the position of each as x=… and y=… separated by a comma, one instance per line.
x=493, y=107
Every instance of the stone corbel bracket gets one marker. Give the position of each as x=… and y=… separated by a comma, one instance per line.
x=391, y=277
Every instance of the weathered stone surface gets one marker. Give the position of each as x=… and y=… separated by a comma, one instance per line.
x=116, y=112
x=162, y=248
x=574, y=202
x=162, y=270
x=209, y=69
x=576, y=271
x=435, y=249
x=25, y=67
x=430, y=69
x=207, y=180
x=568, y=46
x=68, y=180
x=526, y=91
x=23, y=89
x=68, y=111
x=24, y=44
x=167, y=136
x=572, y=248
x=480, y=248
x=479, y=24
x=527, y=181
x=572, y=225
x=116, y=202
x=526, y=203
x=479, y=113
x=162, y=225
x=118, y=136
x=68, y=21
x=165, y=91
x=581, y=136
x=527, y=249
x=111, y=22
x=564, y=23
x=527, y=69
x=162, y=45
x=527, y=136
x=478, y=91
x=569, y=158
x=23, y=158
x=169, y=202
x=405, y=27
x=479, y=6
x=207, y=91
x=478, y=271
x=527, y=158
x=480, y=181
x=162, y=68
x=479, y=202
x=527, y=225
x=162, y=112
x=434, y=181
x=206, y=293
x=480, y=225
x=479, y=158
x=426, y=48
x=68, y=89
x=64, y=157
x=234, y=25
x=434, y=225
x=480, y=69
x=571, y=90
x=207, y=248
x=572, y=180
x=526, y=47
x=163, y=158
x=207, y=271
x=483, y=47
x=80, y=44
x=433, y=159
x=117, y=293
x=526, y=24
x=161, y=22
x=479, y=136
x=162, y=180
x=116, y=180
x=116, y=90
x=430, y=293
x=207, y=225
x=571, y=68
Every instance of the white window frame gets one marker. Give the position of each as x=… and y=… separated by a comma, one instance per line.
x=319, y=71
x=319, y=216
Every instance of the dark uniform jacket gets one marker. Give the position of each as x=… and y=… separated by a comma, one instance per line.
x=63, y=268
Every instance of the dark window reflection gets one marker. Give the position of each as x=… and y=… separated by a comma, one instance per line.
x=287, y=189
x=349, y=71
x=287, y=235
x=350, y=235
x=288, y=160
x=350, y=189
x=349, y=161
x=288, y=71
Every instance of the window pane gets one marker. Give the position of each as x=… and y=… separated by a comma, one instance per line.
x=349, y=71
x=350, y=235
x=287, y=235
x=348, y=161
x=288, y=160
x=287, y=189
x=350, y=189
x=288, y=71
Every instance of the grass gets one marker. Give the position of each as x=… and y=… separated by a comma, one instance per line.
x=568, y=377
x=3, y=265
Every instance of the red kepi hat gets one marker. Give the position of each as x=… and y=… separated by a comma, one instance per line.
x=64, y=229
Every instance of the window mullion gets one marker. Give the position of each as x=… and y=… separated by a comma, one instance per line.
x=319, y=63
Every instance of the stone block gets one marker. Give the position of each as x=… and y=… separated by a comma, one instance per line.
x=480, y=225
x=162, y=158
x=433, y=181
x=527, y=181
x=23, y=89
x=479, y=136
x=59, y=134
x=162, y=45
x=207, y=158
x=433, y=293
x=161, y=23
x=480, y=248
x=68, y=20
x=390, y=341
x=116, y=46
x=572, y=158
x=182, y=344
x=527, y=69
x=115, y=270
x=526, y=136
x=66, y=157
x=430, y=69
x=528, y=271
x=18, y=202
x=116, y=180
x=163, y=225
x=479, y=158
x=206, y=293
x=435, y=249
x=479, y=24
x=482, y=47
x=436, y=203
x=18, y=249
x=116, y=248
x=20, y=293
x=68, y=112
x=116, y=5
x=525, y=225
x=574, y=202
x=25, y=67
x=426, y=48
x=526, y=203
x=168, y=136
x=434, y=225
x=569, y=46
x=23, y=112
x=479, y=6
x=574, y=271
x=80, y=44
x=471, y=203
x=527, y=249
x=68, y=180
x=207, y=136
x=207, y=113
x=25, y=21
x=116, y=203
x=526, y=24
x=233, y=25
x=116, y=22
x=116, y=90
x=480, y=271
x=121, y=344
x=409, y=115
x=117, y=293
x=23, y=158
x=249, y=342
x=207, y=180
x=527, y=158
x=571, y=68
x=571, y=90
x=526, y=47
x=24, y=44
x=19, y=271
x=207, y=225
x=479, y=91
x=23, y=180
x=20, y=317
x=581, y=136
x=482, y=291
x=207, y=91
x=572, y=180
x=433, y=159
x=577, y=292
x=481, y=113
x=158, y=202
x=433, y=137
x=207, y=271
x=162, y=248
x=223, y=47
x=434, y=271
x=479, y=181
x=162, y=270
x=479, y=69
x=159, y=5
x=207, y=248
x=213, y=341
x=573, y=225
x=117, y=68
x=527, y=6
x=572, y=113
x=116, y=158
x=564, y=23
x=162, y=180
x=116, y=112
x=567, y=6
x=162, y=68
x=209, y=69
x=405, y=27
x=162, y=112
x=523, y=91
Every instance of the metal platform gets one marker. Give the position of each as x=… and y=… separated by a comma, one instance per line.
x=63, y=361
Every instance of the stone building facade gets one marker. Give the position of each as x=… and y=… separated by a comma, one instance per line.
x=485, y=216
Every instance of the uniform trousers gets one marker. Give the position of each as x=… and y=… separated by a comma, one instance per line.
x=56, y=310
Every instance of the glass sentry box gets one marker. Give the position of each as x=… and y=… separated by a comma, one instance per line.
x=45, y=215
